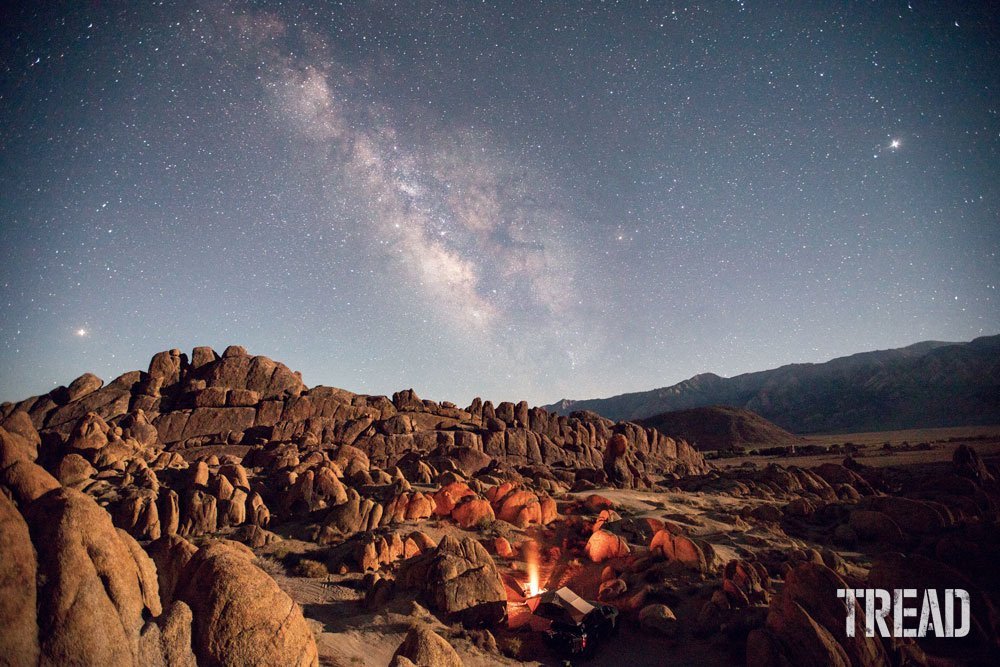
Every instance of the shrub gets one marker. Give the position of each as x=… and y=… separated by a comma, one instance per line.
x=279, y=551
x=512, y=646
x=310, y=568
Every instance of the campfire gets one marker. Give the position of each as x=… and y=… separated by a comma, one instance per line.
x=533, y=586
x=528, y=583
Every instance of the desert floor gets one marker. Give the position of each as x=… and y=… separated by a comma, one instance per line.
x=349, y=635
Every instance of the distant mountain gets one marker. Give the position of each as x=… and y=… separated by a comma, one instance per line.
x=924, y=385
x=720, y=427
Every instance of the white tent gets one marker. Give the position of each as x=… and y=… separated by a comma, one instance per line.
x=560, y=605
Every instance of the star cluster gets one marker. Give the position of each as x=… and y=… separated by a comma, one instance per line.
x=509, y=200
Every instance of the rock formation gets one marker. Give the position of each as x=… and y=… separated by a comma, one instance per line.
x=170, y=516
x=241, y=617
x=101, y=597
x=460, y=579
x=236, y=398
x=423, y=648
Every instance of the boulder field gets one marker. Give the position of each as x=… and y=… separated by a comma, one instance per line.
x=213, y=510
x=108, y=517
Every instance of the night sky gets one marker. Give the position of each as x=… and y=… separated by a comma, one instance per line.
x=498, y=199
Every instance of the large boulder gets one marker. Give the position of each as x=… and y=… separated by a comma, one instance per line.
x=255, y=537
x=136, y=511
x=167, y=367
x=470, y=460
x=313, y=489
x=19, y=423
x=461, y=580
x=16, y=445
x=26, y=481
x=238, y=370
x=18, y=618
x=200, y=513
x=805, y=625
x=201, y=356
x=615, y=461
x=136, y=426
x=604, y=545
x=425, y=648
x=896, y=570
x=90, y=433
x=450, y=495
x=83, y=385
x=357, y=514
x=876, y=527
x=241, y=617
x=745, y=583
x=105, y=402
x=658, y=619
x=793, y=638
x=73, y=469
x=95, y=583
x=472, y=513
x=917, y=516
x=217, y=422
x=549, y=510
x=968, y=463
x=171, y=554
x=167, y=641
x=519, y=507
x=679, y=548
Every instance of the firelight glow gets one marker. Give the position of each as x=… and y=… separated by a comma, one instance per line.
x=531, y=560
x=533, y=580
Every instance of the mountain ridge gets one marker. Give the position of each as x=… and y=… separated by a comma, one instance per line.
x=720, y=427
x=926, y=384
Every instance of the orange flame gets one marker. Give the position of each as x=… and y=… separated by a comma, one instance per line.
x=531, y=560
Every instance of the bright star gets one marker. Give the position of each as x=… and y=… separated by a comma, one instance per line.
x=895, y=143
x=81, y=332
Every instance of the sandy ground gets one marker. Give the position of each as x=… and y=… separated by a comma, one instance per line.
x=913, y=436
x=942, y=443
x=346, y=633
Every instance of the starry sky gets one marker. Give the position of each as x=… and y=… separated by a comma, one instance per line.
x=512, y=200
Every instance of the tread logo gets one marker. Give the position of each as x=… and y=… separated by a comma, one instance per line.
x=907, y=619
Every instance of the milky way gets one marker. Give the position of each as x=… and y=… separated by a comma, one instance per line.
x=563, y=200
